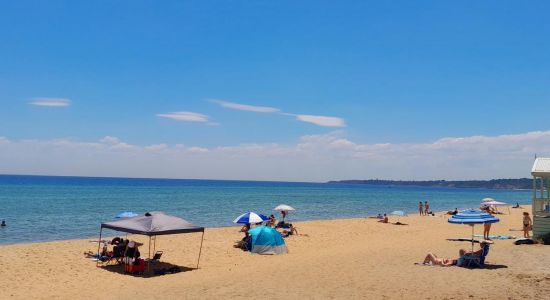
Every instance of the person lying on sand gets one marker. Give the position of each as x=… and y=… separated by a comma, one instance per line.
x=453, y=212
x=432, y=259
x=385, y=220
x=399, y=223
x=293, y=231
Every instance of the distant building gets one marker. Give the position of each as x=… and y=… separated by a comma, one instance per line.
x=541, y=196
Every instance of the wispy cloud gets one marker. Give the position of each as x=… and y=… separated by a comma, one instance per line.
x=321, y=120
x=324, y=121
x=186, y=116
x=51, y=102
x=245, y=107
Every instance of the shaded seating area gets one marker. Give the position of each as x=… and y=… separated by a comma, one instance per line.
x=474, y=260
x=151, y=225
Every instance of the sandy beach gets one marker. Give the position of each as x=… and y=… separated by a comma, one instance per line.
x=340, y=259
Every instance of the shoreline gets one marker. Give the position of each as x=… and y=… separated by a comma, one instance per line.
x=371, y=216
x=353, y=258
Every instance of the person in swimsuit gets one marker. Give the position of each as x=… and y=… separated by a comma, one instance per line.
x=426, y=208
x=527, y=224
x=385, y=220
x=420, y=208
x=432, y=259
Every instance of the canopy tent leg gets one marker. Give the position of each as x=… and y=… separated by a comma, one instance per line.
x=98, y=245
x=200, y=250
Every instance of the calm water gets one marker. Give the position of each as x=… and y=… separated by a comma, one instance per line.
x=43, y=208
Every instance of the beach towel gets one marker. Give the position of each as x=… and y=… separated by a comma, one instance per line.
x=498, y=237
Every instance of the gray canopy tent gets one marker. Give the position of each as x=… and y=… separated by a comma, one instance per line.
x=153, y=224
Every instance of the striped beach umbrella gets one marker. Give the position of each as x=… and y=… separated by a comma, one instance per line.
x=472, y=217
x=250, y=217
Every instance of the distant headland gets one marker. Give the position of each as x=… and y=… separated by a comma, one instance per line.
x=520, y=183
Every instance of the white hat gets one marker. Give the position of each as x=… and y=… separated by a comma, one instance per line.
x=131, y=244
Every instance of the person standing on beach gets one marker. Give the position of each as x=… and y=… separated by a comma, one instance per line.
x=420, y=208
x=427, y=208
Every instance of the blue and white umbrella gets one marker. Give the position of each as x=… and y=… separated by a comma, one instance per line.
x=250, y=217
x=472, y=217
x=126, y=214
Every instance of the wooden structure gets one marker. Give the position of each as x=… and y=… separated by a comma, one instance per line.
x=541, y=196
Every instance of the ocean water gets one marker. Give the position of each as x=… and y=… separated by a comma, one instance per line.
x=45, y=208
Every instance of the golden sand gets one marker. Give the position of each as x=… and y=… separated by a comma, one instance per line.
x=342, y=259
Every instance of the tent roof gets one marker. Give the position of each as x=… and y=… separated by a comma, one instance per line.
x=156, y=224
x=541, y=167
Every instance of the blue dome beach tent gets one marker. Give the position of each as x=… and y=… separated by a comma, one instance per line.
x=126, y=214
x=250, y=217
x=472, y=217
x=266, y=240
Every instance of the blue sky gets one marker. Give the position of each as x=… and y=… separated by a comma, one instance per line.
x=394, y=72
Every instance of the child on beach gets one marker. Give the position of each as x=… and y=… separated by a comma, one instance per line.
x=527, y=224
x=420, y=208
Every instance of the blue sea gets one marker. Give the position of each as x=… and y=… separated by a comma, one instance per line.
x=45, y=208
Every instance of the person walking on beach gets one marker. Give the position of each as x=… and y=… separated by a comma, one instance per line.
x=420, y=208
x=527, y=224
x=427, y=208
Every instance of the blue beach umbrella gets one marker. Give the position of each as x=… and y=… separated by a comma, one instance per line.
x=250, y=217
x=126, y=214
x=266, y=240
x=472, y=217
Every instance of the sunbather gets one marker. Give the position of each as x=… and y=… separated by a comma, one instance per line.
x=385, y=220
x=432, y=259
x=272, y=221
x=292, y=231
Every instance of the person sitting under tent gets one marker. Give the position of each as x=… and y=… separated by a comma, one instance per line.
x=132, y=252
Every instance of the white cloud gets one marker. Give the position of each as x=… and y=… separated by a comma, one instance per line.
x=51, y=102
x=185, y=116
x=313, y=158
x=322, y=120
x=245, y=107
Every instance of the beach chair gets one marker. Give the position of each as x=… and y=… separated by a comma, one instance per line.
x=474, y=261
x=156, y=257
